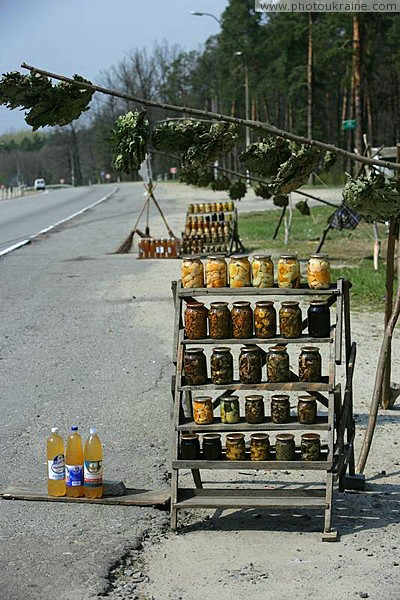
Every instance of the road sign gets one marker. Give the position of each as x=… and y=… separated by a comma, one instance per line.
x=349, y=124
x=173, y=170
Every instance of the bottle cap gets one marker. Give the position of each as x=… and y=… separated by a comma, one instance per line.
x=54, y=430
x=74, y=428
x=93, y=430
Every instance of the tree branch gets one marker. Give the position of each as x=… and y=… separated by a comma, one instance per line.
x=219, y=117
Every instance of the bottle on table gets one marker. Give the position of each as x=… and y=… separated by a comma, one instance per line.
x=55, y=464
x=74, y=464
x=93, y=466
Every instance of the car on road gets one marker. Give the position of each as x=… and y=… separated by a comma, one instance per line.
x=39, y=184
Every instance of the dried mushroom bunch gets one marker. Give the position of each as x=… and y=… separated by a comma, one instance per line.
x=296, y=170
x=220, y=184
x=237, y=190
x=197, y=177
x=177, y=136
x=129, y=139
x=373, y=197
x=262, y=191
x=266, y=157
x=217, y=142
x=303, y=207
x=281, y=201
x=328, y=161
x=47, y=104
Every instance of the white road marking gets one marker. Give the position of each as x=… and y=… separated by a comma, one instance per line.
x=47, y=229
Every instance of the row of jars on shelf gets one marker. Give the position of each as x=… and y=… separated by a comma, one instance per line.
x=254, y=409
x=241, y=320
x=235, y=447
x=208, y=207
x=250, y=365
x=199, y=246
x=208, y=233
x=260, y=273
x=201, y=221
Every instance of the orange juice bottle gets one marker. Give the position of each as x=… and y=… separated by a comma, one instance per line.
x=74, y=464
x=55, y=464
x=93, y=466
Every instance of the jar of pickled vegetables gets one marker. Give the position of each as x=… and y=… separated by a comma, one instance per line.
x=318, y=272
x=278, y=364
x=307, y=410
x=195, y=366
x=192, y=272
x=254, y=409
x=242, y=320
x=259, y=446
x=212, y=447
x=219, y=321
x=196, y=320
x=239, y=271
x=231, y=205
x=310, y=446
x=203, y=410
x=190, y=446
x=319, y=319
x=229, y=409
x=280, y=408
x=225, y=206
x=290, y=320
x=221, y=365
x=190, y=208
x=250, y=365
x=196, y=208
x=216, y=272
x=310, y=364
x=288, y=271
x=265, y=319
x=262, y=269
x=285, y=447
x=235, y=446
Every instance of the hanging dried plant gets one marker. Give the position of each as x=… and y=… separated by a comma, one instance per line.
x=237, y=190
x=221, y=184
x=129, y=139
x=197, y=177
x=266, y=157
x=295, y=171
x=262, y=191
x=373, y=197
x=220, y=140
x=178, y=136
x=281, y=201
x=303, y=207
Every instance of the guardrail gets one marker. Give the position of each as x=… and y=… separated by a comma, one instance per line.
x=6, y=193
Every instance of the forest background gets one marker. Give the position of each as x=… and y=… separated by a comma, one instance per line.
x=309, y=73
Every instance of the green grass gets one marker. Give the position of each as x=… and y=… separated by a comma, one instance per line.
x=351, y=252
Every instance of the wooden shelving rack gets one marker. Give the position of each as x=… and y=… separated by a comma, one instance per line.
x=337, y=456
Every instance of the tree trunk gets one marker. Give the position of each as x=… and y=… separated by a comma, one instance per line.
x=357, y=83
x=310, y=77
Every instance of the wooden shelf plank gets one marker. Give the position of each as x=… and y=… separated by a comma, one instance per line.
x=273, y=465
x=305, y=339
x=304, y=290
x=189, y=425
x=294, y=386
x=249, y=498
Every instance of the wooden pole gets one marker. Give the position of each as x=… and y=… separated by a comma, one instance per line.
x=279, y=223
x=218, y=117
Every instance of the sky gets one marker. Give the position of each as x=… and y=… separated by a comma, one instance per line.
x=88, y=36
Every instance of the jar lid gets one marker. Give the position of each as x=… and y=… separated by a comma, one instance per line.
x=192, y=257
x=285, y=437
x=254, y=398
x=194, y=350
x=211, y=436
x=264, y=303
x=310, y=349
x=229, y=398
x=261, y=256
x=194, y=304
x=190, y=436
x=310, y=436
x=307, y=399
x=235, y=436
x=250, y=348
x=216, y=257
x=221, y=349
x=239, y=256
x=323, y=255
x=219, y=304
x=239, y=303
x=259, y=436
x=202, y=399
x=277, y=348
x=318, y=302
x=289, y=303
x=280, y=398
x=289, y=255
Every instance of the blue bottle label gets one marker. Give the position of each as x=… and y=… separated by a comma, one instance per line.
x=56, y=467
x=74, y=475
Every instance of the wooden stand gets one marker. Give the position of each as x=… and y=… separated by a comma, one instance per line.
x=337, y=456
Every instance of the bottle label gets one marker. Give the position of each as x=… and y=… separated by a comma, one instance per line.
x=93, y=473
x=56, y=467
x=73, y=475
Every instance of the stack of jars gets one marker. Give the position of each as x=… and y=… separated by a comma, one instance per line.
x=211, y=207
x=205, y=233
x=159, y=248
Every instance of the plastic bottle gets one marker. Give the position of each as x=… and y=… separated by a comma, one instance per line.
x=74, y=464
x=93, y=466
x=55, y=464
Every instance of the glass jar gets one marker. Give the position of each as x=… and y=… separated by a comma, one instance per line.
x=239, y=271
x=219, y=321
x=195, y=366
x=262, y=269
x=259, y=446
x=242, y=320
x=190, y=208
x=285, y=447
x=225, y=206
x=216, y=272
x=254, y=409
x=318, y=272
x=190, y=446
x=250, y=365
x=278, y=365
x=235, y=446
x=319, y=319
x=280, y=408
x=310, y=446
x=231, y=206
x=310, y=364
x=203, y=410
x=288, y=271
x=229, y=409
x=207, y=207
x=290, y=320
x=196, y=320
x=212, y=447
x=192, y=272
x=221, y=366
x=307, y=410
x=196, y=208
x=265, y=319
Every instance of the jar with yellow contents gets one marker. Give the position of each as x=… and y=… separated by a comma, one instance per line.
x=203, y=410
x=288, y=271
x=259, y=446
x=239, y=271
x=318, y=272
x=265, y=319
x=262, y=269
x=235, y=446
x=192, y=272
x=216, y=272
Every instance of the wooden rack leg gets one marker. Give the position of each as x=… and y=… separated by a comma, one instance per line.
x=329, y=534
x=197, y=479
x=174, y=498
